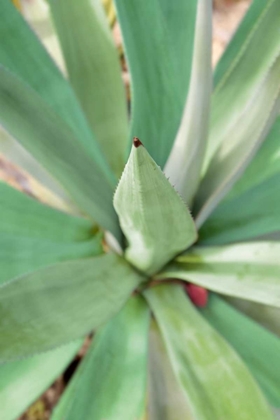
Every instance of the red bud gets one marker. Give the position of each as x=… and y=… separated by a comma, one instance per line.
x=198, y=295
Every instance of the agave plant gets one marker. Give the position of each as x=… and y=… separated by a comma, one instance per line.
x=175, y=268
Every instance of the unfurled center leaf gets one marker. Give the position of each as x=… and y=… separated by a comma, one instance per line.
x=153, y=217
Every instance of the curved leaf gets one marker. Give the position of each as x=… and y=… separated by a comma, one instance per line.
x=55, y=305
x=24, y=216
x=258, y=347
x=267, y=316
x=241, y=140
x=158, y=38
x=111, y=380
x=249, y=215
x=45, y=135
x=241, y=71
x=250, y=271
x=166, y=400
x=33, y=235
x=155, y=220
x=94, y=72
x=12, y=151
x=215, y=381
x=22, y=53
x=23, y=381
x=184, y=163
x=242, y=37
x=252, y=207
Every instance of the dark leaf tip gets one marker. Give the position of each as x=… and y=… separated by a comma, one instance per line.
x=137, y=142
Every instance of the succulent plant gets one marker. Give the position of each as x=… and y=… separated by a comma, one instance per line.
x=163, y=250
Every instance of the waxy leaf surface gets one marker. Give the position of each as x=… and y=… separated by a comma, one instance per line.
x=166, y=399
x=249, y=270
x=153, y=217
x=23, y=381
x=94, y=71
x=111, y=381
x=184, y=163
x=33, y=123
x=240, y=144
x=33, y=235
x=252, y=207
x=57, y=304
x=258, y=347
x=242, y=69
x=23, y=54
x=248, y=78
x=158, y=38
x=214, y=379
x=267, y=316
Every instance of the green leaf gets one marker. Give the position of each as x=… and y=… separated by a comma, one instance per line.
x=158, y=38
x=166, y=399
x=252, y=207
x=241, y=140
x=111, y=381
x=94, y=72
x=258, y=347
x=250, y=215
x=155, y=220
x=20, y=254
x=23, y=381
x=183, y=166
x=250, y=270
x=242, y=37
x=52, y=142
x=33, y=235
x=57, y=304
x=267, y=316
x=15, y=153
x=243, y=69
x=264, y=166
x=23, y=54
x=22, y=215
x=215, y=381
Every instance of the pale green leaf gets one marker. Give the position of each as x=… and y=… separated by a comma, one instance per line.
x=248, y=216
x=241, y=140
x=33, y=235
x=242, y=71
x=153, y=217
x=94, y=72
x=258, y=347
x=241, y=38
x=21, y=255
x=267, y=316
x=22, y=53
x=111, y=381
x=158, y=38
x=37, y=15
x=15, y=153
x=166, y=399
x=249, y=270
x=22, y=215
x=183, y=166
x=54, y=144
x=60, y=303
x=215, y=381
x=264, y=166
x=23, y=381
x=252, y=207
x=17, y=177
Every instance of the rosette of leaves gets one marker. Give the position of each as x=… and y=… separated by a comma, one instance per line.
x=112, y=257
